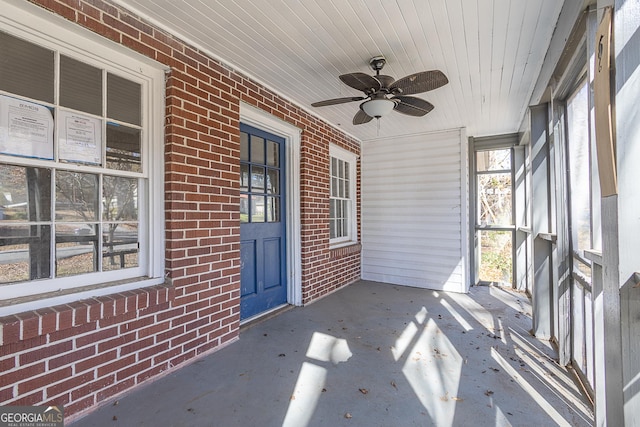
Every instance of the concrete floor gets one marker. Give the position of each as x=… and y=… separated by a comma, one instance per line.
x=370, y=355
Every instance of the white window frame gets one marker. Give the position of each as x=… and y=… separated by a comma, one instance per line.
x=38, y=26
x=352, y=224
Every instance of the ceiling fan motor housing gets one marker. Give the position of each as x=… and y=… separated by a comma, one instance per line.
x=377, y=63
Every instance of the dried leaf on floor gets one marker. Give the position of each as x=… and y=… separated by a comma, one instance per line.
x=488, y=392
x=363, y=390
x=458, y=399
x=281, y=355
x=393, y=384
x=348, y=416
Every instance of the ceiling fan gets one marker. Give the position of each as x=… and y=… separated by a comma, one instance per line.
x=383, y=93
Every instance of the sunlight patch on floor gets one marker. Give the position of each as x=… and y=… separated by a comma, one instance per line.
x=433, y=368
x=535, y=395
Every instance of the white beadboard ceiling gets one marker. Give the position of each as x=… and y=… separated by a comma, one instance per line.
x=491, y=50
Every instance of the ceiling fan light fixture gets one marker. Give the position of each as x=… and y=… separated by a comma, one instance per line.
x=377, y=107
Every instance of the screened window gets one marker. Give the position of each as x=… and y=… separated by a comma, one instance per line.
x=74, y=181
x=342, y=208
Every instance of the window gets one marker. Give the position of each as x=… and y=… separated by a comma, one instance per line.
x=342, y=205
x=494, y=224
x=77, y=168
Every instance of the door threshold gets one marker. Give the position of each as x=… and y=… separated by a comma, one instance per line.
x=260, y=317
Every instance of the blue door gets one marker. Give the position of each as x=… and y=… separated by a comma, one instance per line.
x=263, y=279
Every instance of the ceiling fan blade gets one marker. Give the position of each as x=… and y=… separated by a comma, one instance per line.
x=419, y=82
x=361, y=117
x=386, y=81
x=412, y=106
x=337, y=101
x=361, y=81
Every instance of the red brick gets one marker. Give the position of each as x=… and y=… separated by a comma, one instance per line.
x=69, y=384
x=116, y=365
x=115, y=389
x=133, y=370
x=45, y=352
x=95, y=361
x=32, y=399
x=22, y=374
x=43, y=380
x=10, y=329
x=30, y=325
x=97, y=336
x=79, y=406
x=92, y=387
x=74, y=356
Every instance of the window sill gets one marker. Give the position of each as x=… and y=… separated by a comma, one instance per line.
x=114, y=307
x=72, y=295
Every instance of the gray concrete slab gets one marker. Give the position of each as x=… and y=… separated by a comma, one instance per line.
x=373, y=355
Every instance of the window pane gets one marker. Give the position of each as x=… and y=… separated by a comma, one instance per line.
x=26, y=69
x=273, y=181
x=25, y=194
x=76, y=196
x=257, y=179
x=494, y=197
x=119, y=246
x=244, y=177
x=257, y=150
x=75, y=249
x=495, y=257
x=332, y=208
x=119, y=199
x=257, y=209
x=579, y=170
x=123, y=100
x=273, y=209
x=123, y=148
x=273, y=154
x=244, y=208
x=493, y=160
x=24, y=252
x=80, y=86
x=334, y=187
x=332, y=229
x=244, y=146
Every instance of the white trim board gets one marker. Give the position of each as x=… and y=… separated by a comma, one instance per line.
x=255, y=117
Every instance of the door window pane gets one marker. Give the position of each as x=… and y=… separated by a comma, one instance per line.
x=273, y=181
x=244, y=177
x=80, y=86
x=273, y=154
x=257, y=150
x=495, y=256
x=493, y=160
x=244, y=146
x=273, y=209
x=494, y=197
x=257, y=208
x=26, y=69
x=257, y=179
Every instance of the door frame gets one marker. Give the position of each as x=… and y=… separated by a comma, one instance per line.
x=255, y=117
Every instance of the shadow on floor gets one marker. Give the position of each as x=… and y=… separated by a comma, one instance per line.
x=370, y=355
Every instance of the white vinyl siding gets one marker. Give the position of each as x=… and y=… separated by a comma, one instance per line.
x=414, y=211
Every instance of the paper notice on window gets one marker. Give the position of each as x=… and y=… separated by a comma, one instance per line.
x=26, y=128
x=80, y=138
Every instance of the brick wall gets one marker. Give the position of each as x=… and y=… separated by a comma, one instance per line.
x=83, y=353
